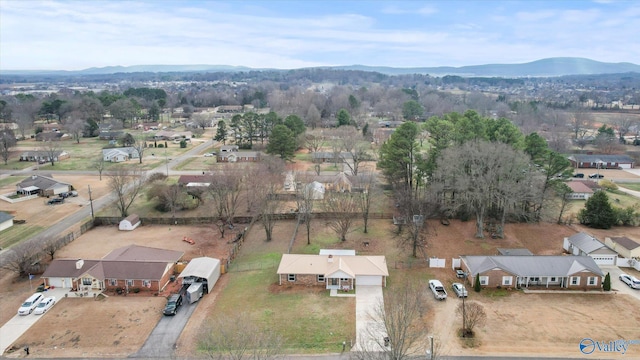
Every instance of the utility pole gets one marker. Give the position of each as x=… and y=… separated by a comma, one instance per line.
x=91, y=202
x=464, y=315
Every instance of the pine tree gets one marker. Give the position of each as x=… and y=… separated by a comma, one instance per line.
x=597, y=212
x=476, y=286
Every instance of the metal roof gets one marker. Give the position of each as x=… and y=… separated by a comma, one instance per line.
x=587, y=243
x=328, y=264
x=201, y=267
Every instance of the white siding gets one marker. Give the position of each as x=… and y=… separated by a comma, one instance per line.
x=369, y=280
x=605, y=259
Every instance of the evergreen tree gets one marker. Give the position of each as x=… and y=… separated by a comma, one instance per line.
x=282, y=142
x=597, y=212
x=343, y=118
x=221, y=133
x=476, y=286
x=606, y=284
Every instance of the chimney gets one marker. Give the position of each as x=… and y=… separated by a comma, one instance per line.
x=79, y=264
x=330, y=258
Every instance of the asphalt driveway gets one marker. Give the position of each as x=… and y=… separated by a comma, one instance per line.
x=162, y=341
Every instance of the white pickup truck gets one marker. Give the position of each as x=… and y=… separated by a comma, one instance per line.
x=438, y=290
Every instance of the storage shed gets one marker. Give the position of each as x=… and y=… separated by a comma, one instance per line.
x=203, y=270
x=130, y=222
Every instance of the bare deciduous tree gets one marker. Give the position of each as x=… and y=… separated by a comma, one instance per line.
x=7, y=141
x=52, y=150
x=99, y=165
x=581, y=122
x=399, y=319
x=236, y=337
x=126, y=185
x=140, y=145
x=345, y=206
x=75, y=128
x=366, y=189
x=313, y=142
x=474, y=315
x=19, y=258
x=225, y=188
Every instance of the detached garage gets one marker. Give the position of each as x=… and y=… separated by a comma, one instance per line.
x=583, y=244
x=203, y=270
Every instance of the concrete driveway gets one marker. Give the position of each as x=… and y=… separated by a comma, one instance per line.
x=369, y=328
x=618, y=285
x=18, y=325
x=162, y=341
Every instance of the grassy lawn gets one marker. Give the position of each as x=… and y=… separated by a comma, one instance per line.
x=16, y=233
x=630, y=186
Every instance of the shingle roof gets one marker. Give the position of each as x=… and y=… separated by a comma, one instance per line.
x=579, y=187
x=143, y=253
x=533, y=265
x=587, y=243
x=41, y=182
x=601, y=157
x=320, y=265
x=625, y=242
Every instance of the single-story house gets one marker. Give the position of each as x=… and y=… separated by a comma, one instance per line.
x=579, y=191
x=238, y=156
x=172, y=135
x=44, y=156
x=333, y=271
x=6, y=220
x=624, y=246
x=229, y=108
x=110, y=135
x=130, y=222
x=583, y=244
x=601, y=161
x=339, y=182
x=570, y=272
x=514, y=252
x=195, y=180
x=314, y=191
x=203, y=270
x=42, y=185
x=120, y=154
x=130, y=267
x=229, y=148
x=52, y=136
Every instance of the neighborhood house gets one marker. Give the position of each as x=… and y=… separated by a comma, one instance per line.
x=333, y=270
x=131, y=267
x=624, y=246
x=568, y=272
x=238, y=156
x=120, y=154
x=42, y=185
x=579, y=191
x=44, y=156
x=601, y=161
x=584, y=244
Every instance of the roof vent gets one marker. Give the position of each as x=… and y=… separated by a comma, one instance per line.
x=330, y=258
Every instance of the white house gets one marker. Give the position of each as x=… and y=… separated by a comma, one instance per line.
x=624, y=246
x=583, y=244
x=130, y=222
x=579, y=191
x=6, y=220
x=120, y=154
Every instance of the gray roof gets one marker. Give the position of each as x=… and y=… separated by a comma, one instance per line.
x=514, y=252
x=601, y=157
x=587, y=243
x=533, y=265
x=201, y=267
x=128, y=151
x=625, y=242
x=41, y=182
x=5, y=216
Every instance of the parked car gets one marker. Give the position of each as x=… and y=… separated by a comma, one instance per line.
x=55, y=201
x=45, y=305
x=30, y=304
x=438, y=290
x=578, y=175
x=173, y=304
x=596, y=176
x=209, y=154
x=459, y=273
x=460, y=290
x=631, y=281
x=72, y=193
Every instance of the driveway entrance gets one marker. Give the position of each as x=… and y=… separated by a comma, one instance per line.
x=369, y=328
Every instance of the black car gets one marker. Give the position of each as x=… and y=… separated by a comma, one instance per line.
x=596, y=176
x=55, y=201
x=578, y=175
x=173, y=304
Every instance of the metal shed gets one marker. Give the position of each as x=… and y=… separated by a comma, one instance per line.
x=203, y=270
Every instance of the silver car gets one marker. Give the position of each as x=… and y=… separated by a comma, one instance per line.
x=459, y=289
x=630, y=280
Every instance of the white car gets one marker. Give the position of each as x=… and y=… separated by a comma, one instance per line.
x=30, y=304
x=45, y=305
x=630, y=280
x=460, y=290
x=209, y=154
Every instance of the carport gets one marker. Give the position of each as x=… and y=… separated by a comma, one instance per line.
x=205, y=270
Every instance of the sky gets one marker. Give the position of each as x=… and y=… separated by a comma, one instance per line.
x=75, y=35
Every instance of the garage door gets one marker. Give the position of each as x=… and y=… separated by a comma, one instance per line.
x=604, y=260
x=59, y=282
x=625, y=166
x=369, y=280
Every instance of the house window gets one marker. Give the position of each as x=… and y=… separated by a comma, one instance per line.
x=320, y=278
x=484, y=280
x=575, y=280
x=592, y=280
x=113, y=282
x=129, y=282
x=146, y=283
x=291, y=277
x=506, y=280
x=86, y=281
x=553, y=279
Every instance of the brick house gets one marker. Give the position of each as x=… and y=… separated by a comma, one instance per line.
x=238, y=156
x=563, y=272
x=128, y=268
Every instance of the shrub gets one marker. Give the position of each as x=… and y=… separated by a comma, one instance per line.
x=606, y=284
x=160, y=145
x=608, y=185
x=136, y=290
x=476, y=286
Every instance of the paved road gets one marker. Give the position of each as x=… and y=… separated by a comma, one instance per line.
x=161, y=343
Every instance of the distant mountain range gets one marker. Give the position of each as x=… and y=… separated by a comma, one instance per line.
x=550, y=67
